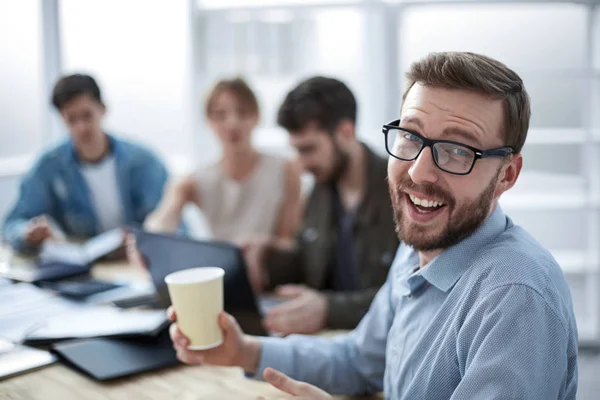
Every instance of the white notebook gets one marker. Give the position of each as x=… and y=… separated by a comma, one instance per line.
x=82, y=254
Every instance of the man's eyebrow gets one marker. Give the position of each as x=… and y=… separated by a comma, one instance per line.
x=452, y=131
x=413, y=121
x=468, y=136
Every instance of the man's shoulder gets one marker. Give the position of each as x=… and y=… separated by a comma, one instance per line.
x=378, y=162
x=134, y=152
x=517, y=259
x=52, y=157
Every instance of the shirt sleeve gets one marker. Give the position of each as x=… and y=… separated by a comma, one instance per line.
x=513, y=345
x=150, y=178
x=34, y=200
x=351, y=364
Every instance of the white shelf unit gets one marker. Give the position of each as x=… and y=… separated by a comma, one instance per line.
x=557, y=136
x=278, y=62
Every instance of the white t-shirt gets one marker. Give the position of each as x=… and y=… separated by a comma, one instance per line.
x=101, y=179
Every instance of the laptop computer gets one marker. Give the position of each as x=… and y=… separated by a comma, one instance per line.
x=105, y=358
x=166, y=253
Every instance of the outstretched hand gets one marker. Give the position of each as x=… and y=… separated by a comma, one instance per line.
x=297, y=390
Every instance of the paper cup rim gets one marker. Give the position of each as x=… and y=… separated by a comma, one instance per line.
x=194, y=275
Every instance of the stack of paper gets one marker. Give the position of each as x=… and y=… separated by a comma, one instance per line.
x=24, y=307
x=29, y=314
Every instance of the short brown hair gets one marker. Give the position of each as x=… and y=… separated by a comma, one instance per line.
x=325, y=101
x=478, y=73
x=239, y=88
x=71, y=86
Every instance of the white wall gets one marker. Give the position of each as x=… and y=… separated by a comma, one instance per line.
x=275, y=49
x=20, y=77
x=545, y=44
x=139, y=50
x=22, y=105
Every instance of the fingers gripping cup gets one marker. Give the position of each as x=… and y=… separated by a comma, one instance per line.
x=197, y=295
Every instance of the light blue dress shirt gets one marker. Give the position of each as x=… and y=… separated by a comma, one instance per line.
x=490, y=318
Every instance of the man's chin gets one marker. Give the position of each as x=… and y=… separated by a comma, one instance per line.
x=420, y=237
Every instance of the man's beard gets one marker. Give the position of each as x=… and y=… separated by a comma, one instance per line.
x=462, y=222
x=341, y=161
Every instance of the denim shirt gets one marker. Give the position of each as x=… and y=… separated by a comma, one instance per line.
x=56, y=188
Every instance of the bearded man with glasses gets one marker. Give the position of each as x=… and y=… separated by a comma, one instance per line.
x=473, y=307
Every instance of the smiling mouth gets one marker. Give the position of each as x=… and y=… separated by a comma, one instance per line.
x=425, y=206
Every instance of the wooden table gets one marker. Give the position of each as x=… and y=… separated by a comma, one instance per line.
x=58, y=382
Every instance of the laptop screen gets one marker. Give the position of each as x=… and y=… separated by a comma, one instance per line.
x=165, y=254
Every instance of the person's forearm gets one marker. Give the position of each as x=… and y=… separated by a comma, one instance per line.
x=165, y=218
x=351, y=364
x=326, y=363
x=162, y=222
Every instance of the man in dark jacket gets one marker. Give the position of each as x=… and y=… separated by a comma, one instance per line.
x=347, y=240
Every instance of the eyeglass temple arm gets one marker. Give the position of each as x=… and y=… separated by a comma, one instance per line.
x=500, y=152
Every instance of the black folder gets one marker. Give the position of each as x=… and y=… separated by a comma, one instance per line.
x=105, y=359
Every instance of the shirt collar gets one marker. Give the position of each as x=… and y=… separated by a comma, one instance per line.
x=447, y=268
x=71, y=151
x=411, y=281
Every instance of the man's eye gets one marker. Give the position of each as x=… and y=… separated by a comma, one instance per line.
x=462, y=152
x=411, y=137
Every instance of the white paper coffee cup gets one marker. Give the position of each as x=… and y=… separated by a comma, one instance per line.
x=197, y=295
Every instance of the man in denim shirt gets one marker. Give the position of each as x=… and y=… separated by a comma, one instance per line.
x=473, y=307
x=89, y=184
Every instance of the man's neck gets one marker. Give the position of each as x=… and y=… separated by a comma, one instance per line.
x=352, y=182
x=97, y=153
x=425, y=257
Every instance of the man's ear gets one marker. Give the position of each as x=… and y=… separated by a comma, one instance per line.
x=509, y=174
x=345, y=130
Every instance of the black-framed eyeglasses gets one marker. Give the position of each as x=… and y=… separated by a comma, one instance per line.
x=452, y=157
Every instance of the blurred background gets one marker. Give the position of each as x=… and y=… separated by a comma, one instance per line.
x=155, y=59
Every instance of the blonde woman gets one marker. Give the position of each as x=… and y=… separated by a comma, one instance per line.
x=246, y=193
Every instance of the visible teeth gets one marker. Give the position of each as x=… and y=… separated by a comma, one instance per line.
x=424, y=203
